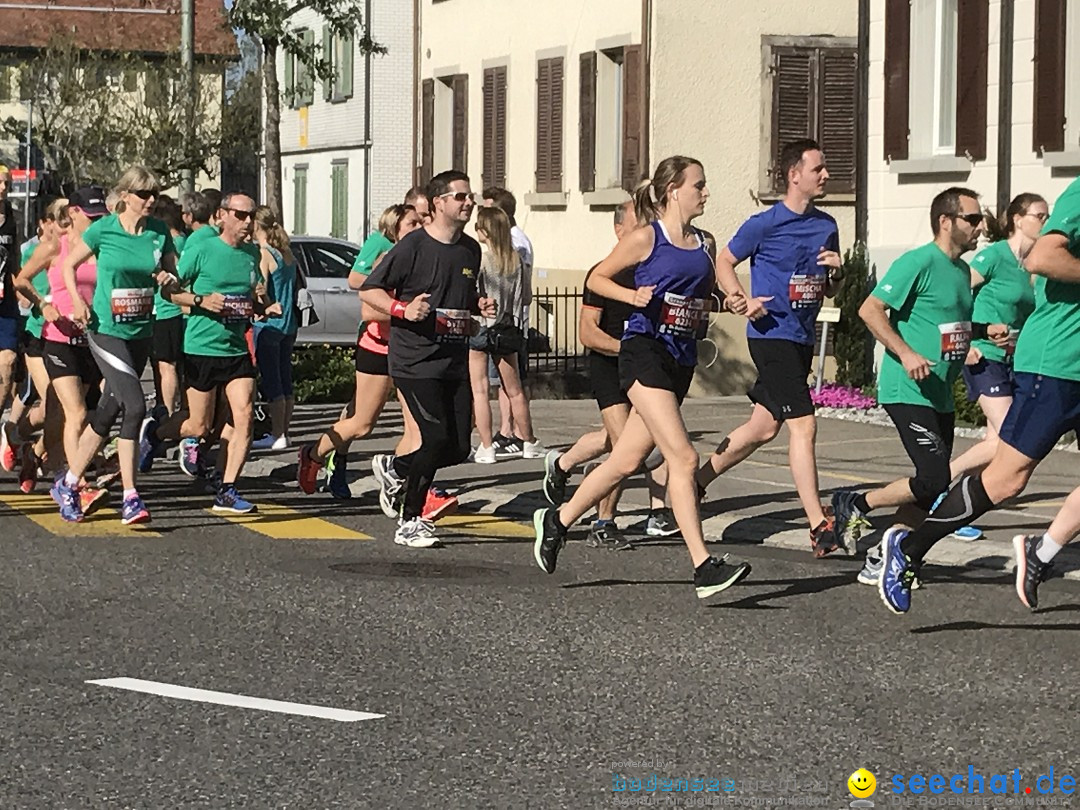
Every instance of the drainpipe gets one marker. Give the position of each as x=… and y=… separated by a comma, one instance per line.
x=646, y=95
x=367, y=125
x=862, y=117
x=415, y=92
x=1005, y=100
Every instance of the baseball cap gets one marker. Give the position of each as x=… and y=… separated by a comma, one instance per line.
x=90, y=200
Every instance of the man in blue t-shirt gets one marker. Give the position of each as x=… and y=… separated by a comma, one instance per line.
x=793, y=248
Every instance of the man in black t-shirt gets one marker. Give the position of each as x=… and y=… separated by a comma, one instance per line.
x=10, y=323
x=427, y=283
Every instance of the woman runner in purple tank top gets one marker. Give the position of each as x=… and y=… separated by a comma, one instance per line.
x=674, y=279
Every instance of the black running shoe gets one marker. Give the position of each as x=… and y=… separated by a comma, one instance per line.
x=1030, y=570
x=607, y=535
x=554, y=479
x=716, y=574
x=550, y=538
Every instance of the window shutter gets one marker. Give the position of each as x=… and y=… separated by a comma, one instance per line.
x=838, y=90
x=556, y=126
x=793, y=102
x=306, y=79
x=549, y=125
x=290, y=78
x=131, y=77
x=499, y=173
x=328, y=59
x=587, y=124
x=633, y=94
x=973, y=29
x=897, y=60
x=348, y=46
x=1048, y=131
x=427, y=128
x=488, y=171
x=460, y=86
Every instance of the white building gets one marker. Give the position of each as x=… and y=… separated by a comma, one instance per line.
x=347, y=145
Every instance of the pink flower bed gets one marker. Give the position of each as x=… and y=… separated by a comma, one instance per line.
x=834, y=395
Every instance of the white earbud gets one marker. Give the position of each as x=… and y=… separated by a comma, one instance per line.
x=675, y=195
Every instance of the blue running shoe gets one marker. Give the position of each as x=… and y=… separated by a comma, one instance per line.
x=148, y=444
x=190, y=458
x=968, y=533
x=134, y=511
x=68, y=499
x=897, y=572
x=337, y=481
x=229, y=500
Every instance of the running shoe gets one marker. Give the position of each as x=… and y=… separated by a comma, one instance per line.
x=307, y=470
x=265, y=443
x=897, y=573
x=716, y=574
x=9, y=448
x=439, y=503
x=968, y=533
x=661, y=523
x=337, y=476
x=849, y=523
x=148, y=444
x=134, y=511
x=28, y=468
x=391, y=488
x=213, y=482
x=229, y=500
x=533, y=449
x=108, y=471
x=190, y=457
x=1030, y=570
x=823, y=540
x=555, y=479
x=510, y=448
x=870, y=573
x=416, y=533
x=67, y=497
x=91, y=497
x=607, y=535
x=550, y=538
x=484, y=455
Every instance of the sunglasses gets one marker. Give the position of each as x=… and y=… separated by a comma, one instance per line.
x=1039, y=216
x=460, y=196
x=146, y=193
x=971, y=219
x=240, y=213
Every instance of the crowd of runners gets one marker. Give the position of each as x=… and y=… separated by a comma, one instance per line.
x=209, y=292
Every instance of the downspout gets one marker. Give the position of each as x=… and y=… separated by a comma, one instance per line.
x=646, y=95
x=862, y=118
x=367, y=124
x=415, y=92
x=1005, y=100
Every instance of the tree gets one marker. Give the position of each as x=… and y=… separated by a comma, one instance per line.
x=853, y=345
x=241, y=121
x=270, y=22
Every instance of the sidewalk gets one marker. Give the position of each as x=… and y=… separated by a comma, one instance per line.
x=753, y=503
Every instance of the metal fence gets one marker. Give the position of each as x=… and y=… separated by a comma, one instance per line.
x=553, y=331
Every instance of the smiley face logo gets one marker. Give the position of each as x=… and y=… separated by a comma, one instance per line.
x=862, y=784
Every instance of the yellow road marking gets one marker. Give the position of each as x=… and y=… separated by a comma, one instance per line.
x=282, y=523
x=483, y=526
x=41, y=509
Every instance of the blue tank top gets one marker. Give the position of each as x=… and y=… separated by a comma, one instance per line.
x=678, y=314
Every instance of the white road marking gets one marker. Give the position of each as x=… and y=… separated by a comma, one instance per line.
x=228, y=699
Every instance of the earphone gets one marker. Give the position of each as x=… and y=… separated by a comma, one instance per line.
x=675, y=195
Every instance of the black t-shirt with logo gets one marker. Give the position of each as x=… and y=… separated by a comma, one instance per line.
x=436, y=348
x=613, y=314
x=9, y=263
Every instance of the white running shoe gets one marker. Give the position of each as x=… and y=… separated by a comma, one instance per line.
x=280, y=443
x=390, y=486
x=533, y=449
x=416, y=533
x=484, y=455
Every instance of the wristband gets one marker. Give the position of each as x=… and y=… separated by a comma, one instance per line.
x=397, y=309
x=979, y=331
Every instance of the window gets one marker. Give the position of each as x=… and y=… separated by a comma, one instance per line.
x=339, y=199
x=1072, y=78
x=1056, y=126
x=549, y=125
x=445, y=125
x=813, y=93
x=5, y=83
x=299, y=80
x=932, y=103
x=338, y=50
x=610, y=131
x=494, y=127
x=328, y=260
x=300, y=199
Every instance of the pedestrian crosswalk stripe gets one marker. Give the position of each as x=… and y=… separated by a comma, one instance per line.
x=483, y=526
x=103, y=522
x=282, y=523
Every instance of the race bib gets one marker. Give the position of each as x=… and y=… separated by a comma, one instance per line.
x=955, y=340
x=133, y=304
x=684, y=317
x=806, y=291
x=1010, y=347
x=236, y=309
x=452, y=325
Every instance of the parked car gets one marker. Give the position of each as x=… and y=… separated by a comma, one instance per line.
x=326, y=263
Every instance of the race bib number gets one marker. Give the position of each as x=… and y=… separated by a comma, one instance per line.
x=684, y=317
x=452, y=325
x=806, y=291
x=236, y=309
x=133, y=304
x=955, y=340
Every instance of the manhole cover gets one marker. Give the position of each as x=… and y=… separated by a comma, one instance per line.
x=427, y=570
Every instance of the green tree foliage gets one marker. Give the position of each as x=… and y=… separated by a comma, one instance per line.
x=853, y=346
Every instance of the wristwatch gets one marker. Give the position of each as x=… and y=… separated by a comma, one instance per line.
x=197, y=301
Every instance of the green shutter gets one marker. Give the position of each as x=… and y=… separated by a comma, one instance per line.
x=346, y=73
x=307, y=77
x=300, y=200
x=339, y=193
x=290, y=78
x=328, y=58
x=5, y=83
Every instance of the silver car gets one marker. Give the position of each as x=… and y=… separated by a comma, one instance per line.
x=326, y=263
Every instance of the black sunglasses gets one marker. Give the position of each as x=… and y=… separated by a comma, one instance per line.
x=971, y=219
x=240, y=214
x=146, y=193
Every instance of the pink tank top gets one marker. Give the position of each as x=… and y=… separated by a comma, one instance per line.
x=64, y=330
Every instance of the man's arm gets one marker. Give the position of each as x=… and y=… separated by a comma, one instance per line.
x=1050, y=257
x=876, y=317
x=592, y=336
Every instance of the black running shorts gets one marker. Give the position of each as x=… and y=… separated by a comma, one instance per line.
x=168, y=343
x=205, y=373
x=781, y=387
x=645, y=360
x=604, y=376
x=68, y=360
x=369, y=362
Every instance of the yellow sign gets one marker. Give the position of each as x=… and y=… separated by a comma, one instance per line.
x=862, y=784
x=303, y=126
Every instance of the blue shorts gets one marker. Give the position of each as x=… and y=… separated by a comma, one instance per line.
x=9, y=334
x=989, y=378
x=1043, y=410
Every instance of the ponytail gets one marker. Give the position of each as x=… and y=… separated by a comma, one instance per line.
x=651, y=196
x=276, y=236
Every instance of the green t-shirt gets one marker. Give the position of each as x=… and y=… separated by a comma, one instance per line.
x=374, y=246
x=35, y=321
x=216, y=267
x=1048, y=344
x=164, y=310
x=924, y=290
x=197, y=237
x=1006, y=296
x=123, y=304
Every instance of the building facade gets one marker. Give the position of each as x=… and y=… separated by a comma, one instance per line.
x=347, y=144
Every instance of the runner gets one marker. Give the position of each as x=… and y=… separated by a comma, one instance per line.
x=1046, y=405
x=793, y=249
x=674, y=282
x=168, y=347
x=428, y=285
x=9, y=316
x=131, y=247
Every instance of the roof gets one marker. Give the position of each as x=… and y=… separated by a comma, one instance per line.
x=144, y=26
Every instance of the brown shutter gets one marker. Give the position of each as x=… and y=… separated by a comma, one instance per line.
x=897, y=60
x=632, y=124
x=460, y=147
x=973, y=29
x=1048, y=130
x=557, y=74
x=838, y=90
x=489, y=128
x=587, y=125
x=427, y=128
x=794, y=93
x=499, y=173
x=549, y=124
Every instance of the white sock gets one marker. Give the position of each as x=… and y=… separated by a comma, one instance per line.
x=1047, y=548
x=130, y=493
x=70, y=480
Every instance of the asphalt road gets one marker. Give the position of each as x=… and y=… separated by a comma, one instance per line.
x=500, y=686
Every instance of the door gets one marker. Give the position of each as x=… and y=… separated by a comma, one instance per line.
x=316, y=333
x=330, y=263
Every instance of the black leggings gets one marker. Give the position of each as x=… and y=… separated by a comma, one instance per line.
x=443, y=412
x=928, y=439
x=122, y=363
